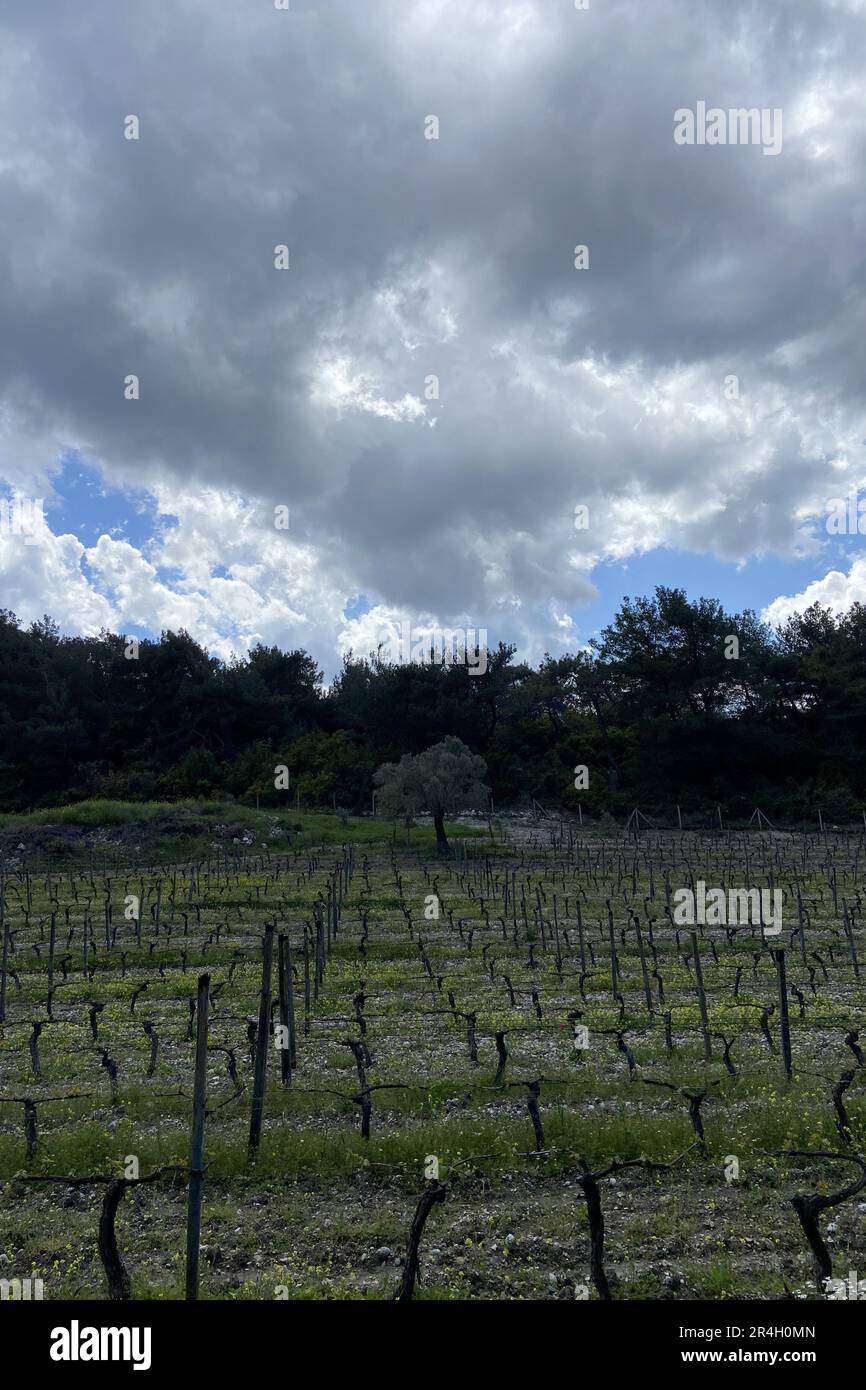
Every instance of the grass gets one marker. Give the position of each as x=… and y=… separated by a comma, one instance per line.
x=189, y=829
x=311, y=1213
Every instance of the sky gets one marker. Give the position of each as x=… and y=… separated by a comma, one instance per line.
x=298, y=343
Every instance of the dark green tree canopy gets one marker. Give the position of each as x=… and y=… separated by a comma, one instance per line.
x=676, y=702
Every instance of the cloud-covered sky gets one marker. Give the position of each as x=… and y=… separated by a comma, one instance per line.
x=410, y=259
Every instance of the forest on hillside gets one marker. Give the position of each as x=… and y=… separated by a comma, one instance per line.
x=658, y=710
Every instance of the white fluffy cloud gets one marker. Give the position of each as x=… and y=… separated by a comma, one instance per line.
x=220, y=568
x=412, y=259
x=42, y=573
x=836, y=591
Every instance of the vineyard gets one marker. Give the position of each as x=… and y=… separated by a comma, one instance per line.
x=508, y=1074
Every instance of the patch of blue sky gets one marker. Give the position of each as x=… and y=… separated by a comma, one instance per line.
x=754, y=584
x=84, y=506
x=357, y=606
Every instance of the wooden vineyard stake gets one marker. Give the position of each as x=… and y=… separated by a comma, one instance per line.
x=196, y=1144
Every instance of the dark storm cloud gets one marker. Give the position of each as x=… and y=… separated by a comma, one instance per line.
x=412, y=257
